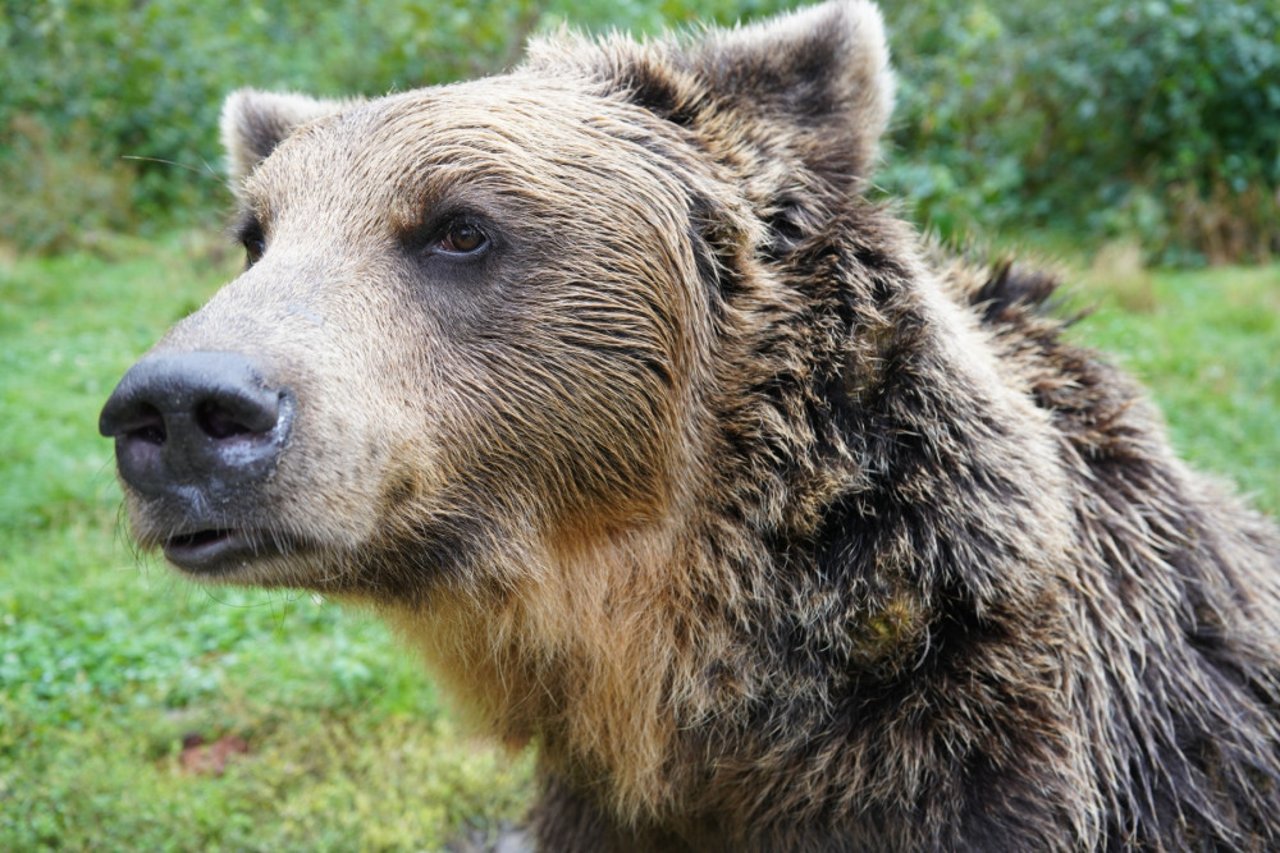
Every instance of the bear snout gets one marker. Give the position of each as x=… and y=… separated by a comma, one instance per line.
x=197, y=428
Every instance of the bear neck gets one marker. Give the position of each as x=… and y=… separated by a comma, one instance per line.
x=856, y=503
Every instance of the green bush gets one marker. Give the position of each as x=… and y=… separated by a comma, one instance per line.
x=1159, y=120
x=1182, y=100
x=58, y=193
x=111, y=106
x=1156, y=119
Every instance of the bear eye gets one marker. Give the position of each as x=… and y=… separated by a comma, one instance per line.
x=461, y=237
x=253, y=239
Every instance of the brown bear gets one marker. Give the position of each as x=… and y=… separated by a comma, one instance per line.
x=771, y=527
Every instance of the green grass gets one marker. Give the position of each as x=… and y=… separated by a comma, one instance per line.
x=108, y=662
x=1207, y=345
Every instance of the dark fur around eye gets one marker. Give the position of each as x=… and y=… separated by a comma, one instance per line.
x=250, y=234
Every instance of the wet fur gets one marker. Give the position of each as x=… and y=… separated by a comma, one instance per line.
x=771, y=527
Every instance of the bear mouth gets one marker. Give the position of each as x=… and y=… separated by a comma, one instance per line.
x=220, y=550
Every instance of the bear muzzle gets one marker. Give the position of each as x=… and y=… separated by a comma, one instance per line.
x=196, y=435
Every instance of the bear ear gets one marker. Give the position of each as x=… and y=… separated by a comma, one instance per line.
x=813, y=84
x=819, y=76
x=253, y=123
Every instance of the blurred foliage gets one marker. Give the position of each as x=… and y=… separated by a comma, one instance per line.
x=1155, y=120
x=1158, y=120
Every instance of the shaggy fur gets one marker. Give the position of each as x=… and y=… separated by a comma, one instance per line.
x=770, y=527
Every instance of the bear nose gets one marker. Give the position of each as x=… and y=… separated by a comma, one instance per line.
x=200, y=419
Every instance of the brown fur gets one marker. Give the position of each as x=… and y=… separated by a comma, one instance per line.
x=769, y=526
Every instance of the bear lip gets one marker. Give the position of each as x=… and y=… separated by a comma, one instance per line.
x=218, y=550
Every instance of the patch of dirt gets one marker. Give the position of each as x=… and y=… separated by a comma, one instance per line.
x=200, y=758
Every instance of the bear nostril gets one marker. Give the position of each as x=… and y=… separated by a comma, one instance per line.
x=230, y=410
x=146, y=424
x=218, y=422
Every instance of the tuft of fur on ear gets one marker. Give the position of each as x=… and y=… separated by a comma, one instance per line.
x=253, y=123
x=812, y=86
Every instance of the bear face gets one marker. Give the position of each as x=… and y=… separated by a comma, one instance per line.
x=492, y=310
x=467, y=346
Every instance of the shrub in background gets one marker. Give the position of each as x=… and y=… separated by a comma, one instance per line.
x=57, y=195
x=1158, y=120
x=1185, y=101
x=122, y=94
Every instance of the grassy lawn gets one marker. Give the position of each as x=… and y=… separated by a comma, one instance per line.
x=1207, y=344
x=140, y=712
